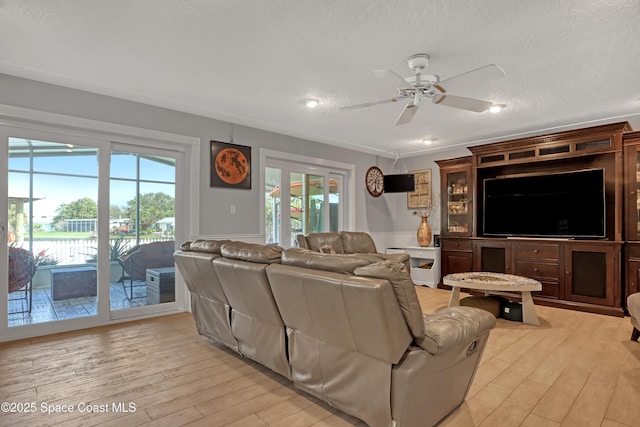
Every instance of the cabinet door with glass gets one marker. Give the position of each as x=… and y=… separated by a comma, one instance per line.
x=632, y=174
x=456, y=190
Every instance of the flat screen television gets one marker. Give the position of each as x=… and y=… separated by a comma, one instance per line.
x=400, y=183
x=567, y=204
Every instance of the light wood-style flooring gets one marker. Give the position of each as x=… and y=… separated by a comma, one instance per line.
x=575, y=369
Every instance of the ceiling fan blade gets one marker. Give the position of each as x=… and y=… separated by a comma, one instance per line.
x=394, y=78
x=479, y=75
x=407, y=114
x=368, y=104
x=463, y=103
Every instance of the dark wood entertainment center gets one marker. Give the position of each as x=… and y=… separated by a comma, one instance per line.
x=593, y=275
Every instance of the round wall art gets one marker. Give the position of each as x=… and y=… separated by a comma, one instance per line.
x=230, y=165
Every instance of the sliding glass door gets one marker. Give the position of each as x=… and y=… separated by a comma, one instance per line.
x=90, y=230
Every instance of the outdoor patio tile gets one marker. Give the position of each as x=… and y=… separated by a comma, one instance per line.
x=45, y=310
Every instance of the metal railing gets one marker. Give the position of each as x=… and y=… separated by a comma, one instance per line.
x=77, y=251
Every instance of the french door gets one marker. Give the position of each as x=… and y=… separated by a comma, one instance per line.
x=72, y=209
x=301, y=200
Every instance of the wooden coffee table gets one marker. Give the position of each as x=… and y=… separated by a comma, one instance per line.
x=496, y=282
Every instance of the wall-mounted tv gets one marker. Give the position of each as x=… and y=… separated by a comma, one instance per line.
x=400, y=183
x=566, y=204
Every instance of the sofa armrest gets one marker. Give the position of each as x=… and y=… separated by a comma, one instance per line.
x=453, y=327
x=403, y=258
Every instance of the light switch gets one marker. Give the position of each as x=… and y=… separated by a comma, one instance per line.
x=232, y=209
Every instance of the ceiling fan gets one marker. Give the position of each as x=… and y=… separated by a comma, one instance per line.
x=422, y=86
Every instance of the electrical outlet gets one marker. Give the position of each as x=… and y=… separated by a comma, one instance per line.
x=232, y=209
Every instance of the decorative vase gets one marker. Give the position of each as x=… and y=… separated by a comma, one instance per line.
x=424, y=233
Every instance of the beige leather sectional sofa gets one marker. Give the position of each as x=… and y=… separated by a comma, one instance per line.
x=346, y=328
x=345, y=242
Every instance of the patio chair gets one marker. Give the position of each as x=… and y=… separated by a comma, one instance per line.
x=140, y=258
x=22, y=267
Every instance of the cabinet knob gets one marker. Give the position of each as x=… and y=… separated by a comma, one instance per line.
x=535, y=269
x=535, y=251
x=457, y=245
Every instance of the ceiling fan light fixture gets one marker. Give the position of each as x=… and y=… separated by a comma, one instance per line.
x=418, y=61
x=311, y=102
x=496, y=108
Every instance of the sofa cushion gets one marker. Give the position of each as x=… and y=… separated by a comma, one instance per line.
x=204, y=245
x=396, y=273
x=338, y=263
x=301, y=241
x=318, y=240
x=252, y=252
x=355, y=242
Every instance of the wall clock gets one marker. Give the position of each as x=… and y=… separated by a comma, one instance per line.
x=374, y=180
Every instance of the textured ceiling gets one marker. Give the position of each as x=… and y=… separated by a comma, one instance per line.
x=568, y=63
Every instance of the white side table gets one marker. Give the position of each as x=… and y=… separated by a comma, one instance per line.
x=425, y=264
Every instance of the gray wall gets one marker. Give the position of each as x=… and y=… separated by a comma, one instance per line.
x=407, y=220
x=383, y=215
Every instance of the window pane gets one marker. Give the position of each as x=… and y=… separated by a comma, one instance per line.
x=123, y=165
x=334, y=203
x=272, y=205
x=19, y=210
x=157, y=169
x=19, y=151
x=157, y=209
x=315, y=202
x=142, y=213
x=123, y=207
x=64, y=158
x=306, y=204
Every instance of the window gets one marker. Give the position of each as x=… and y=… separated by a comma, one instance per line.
x=304, y=195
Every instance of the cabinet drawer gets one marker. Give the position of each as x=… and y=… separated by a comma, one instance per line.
x=633, y=251
x=549, y=290
x=537, y=270
x=455, y=245
x=421, y=253
x=537, y=251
